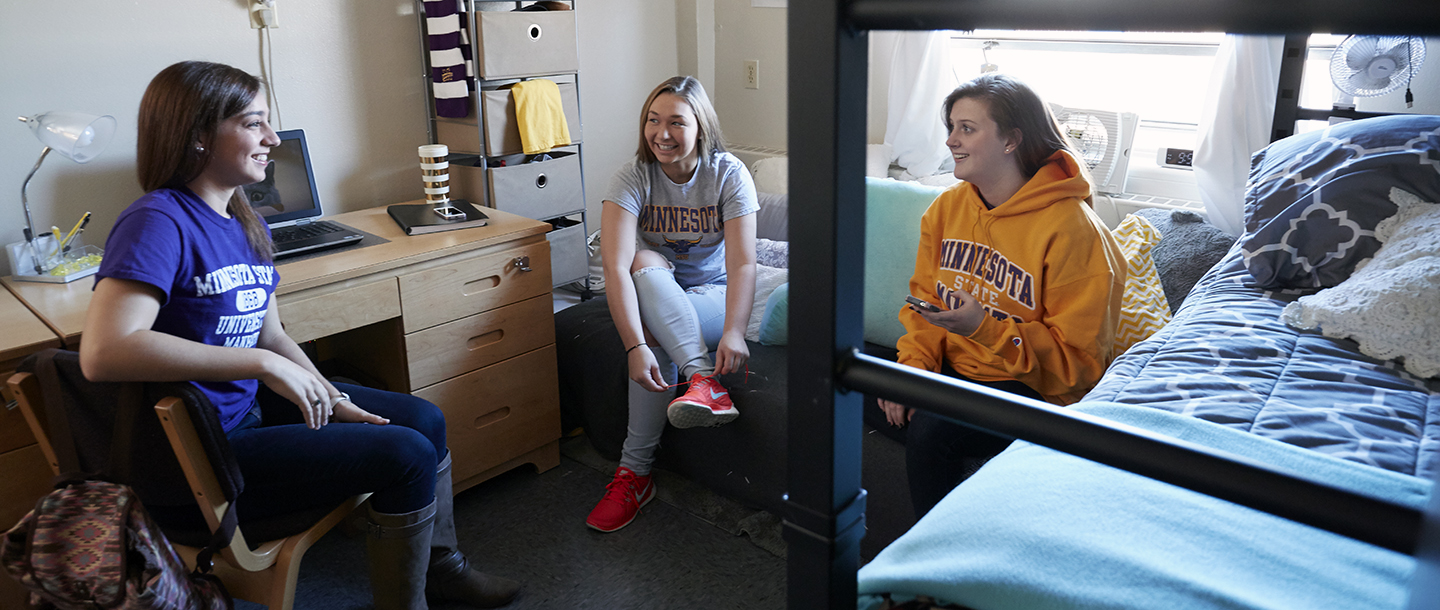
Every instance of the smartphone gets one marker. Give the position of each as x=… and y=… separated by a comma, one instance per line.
x=930, y=307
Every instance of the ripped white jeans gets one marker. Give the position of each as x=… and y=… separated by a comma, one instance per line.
x=687, y=324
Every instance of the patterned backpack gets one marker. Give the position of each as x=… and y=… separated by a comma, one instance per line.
x=90, y=543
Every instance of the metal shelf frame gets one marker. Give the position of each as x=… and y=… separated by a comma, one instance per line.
x=469, y=9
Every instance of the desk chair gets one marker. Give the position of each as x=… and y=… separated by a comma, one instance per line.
x=265, y=574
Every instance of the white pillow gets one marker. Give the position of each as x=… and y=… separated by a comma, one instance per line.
x=1390, y=304
x=767, y=279
x=772, y=175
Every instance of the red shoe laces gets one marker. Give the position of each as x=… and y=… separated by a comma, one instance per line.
x=711, y=376
x=623, y=485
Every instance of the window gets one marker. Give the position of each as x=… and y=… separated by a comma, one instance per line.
x=1162, y=77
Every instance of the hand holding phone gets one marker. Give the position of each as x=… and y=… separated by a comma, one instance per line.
x=930, y=307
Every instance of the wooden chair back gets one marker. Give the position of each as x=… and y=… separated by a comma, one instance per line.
x=265, y=574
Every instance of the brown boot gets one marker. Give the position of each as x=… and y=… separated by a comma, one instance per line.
x=397, y=547
x=450, y=577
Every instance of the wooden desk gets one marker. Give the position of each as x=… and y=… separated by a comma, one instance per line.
x=460, y=318
x=24, y=475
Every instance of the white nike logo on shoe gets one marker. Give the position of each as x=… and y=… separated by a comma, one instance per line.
x=716, y=395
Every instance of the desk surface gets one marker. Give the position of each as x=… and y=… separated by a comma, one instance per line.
x=24, y=332
x=62, y=307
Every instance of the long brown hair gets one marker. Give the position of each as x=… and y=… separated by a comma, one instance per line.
x=709, y=141
x=1014, y=105
x=183, y=106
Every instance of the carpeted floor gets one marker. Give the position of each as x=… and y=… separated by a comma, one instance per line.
x=680, y=551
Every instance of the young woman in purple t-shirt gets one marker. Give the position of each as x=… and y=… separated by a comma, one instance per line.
x=186, y=293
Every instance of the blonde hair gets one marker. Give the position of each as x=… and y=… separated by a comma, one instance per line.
x=709, y=141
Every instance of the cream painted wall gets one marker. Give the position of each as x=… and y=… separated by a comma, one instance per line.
x=626, y=48
x=348, y=72
x=750, y=117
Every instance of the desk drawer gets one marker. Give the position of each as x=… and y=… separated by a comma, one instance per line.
x=500, y=131
x=500, y=411
x=448, y=350
x=322, y=312
x=27, y=475
x=518, y=44
x=465, y=287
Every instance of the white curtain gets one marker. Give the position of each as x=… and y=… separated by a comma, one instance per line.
x=920, y=78
x=1236, y=123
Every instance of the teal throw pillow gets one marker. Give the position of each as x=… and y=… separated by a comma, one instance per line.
x=775, y=326
x=892, y=234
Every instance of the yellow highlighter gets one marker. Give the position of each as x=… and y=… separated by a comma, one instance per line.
x=80, y=224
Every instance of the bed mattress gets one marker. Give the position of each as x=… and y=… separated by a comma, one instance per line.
x=1227, y=358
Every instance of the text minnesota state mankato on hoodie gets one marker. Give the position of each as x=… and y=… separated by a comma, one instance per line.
x=1045, y=269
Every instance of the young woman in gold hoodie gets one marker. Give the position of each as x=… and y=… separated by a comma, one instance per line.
x=1026, y=276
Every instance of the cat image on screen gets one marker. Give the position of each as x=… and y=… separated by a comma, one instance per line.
x=263, y=195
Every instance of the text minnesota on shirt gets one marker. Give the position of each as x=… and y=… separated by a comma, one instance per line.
x=987, y=274
x=242, y=330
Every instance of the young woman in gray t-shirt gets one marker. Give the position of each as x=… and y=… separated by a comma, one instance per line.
x=679, y=251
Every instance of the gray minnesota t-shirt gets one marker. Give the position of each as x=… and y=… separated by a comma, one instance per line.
x=684, y=222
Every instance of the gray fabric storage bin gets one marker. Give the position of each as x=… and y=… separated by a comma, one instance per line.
x=539, y=190
x=519, y=44
x=500, y=132
x=569, y=262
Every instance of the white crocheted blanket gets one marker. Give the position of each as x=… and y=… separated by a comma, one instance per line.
x=1391, y=304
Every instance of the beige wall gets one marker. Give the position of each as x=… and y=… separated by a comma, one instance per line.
x=750, y=117
x=348, y=72
x=626, y=48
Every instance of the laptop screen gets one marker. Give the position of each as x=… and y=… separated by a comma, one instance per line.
x=288, y=192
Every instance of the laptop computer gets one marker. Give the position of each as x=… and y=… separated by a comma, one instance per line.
x=290, y=203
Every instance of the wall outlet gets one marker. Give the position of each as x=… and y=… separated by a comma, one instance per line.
x=752, y=74
x=262, y=15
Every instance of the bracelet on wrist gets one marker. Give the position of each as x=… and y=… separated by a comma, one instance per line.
x=343, y=396
x=632, y=348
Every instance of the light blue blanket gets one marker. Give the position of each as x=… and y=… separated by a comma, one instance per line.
x=1039, y=529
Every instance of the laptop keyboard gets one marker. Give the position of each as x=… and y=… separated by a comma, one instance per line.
x=294, y=233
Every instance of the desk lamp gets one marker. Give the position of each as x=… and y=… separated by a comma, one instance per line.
x=79, y=136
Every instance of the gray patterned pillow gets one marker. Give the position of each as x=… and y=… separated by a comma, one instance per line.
x=772, y=253
x=1313, y=199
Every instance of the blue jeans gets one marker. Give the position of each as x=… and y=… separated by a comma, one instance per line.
x=288, y=467
x=940, y=454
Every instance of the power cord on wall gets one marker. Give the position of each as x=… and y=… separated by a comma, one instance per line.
x=267, y=60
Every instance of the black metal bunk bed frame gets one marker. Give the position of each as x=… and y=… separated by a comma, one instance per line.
x=827, y=46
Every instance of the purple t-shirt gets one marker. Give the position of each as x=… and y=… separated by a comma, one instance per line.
x=216, y=289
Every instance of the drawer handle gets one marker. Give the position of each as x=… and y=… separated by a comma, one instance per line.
x=492, y=417
x=535, y=31
x=541, y=181
x=522, y=263
x=480, y=285
x=485, y=340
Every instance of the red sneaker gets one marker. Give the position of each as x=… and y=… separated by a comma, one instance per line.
x=623, y=498
x=705, y=403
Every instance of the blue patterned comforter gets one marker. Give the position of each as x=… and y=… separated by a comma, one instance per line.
x=1227, y=358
